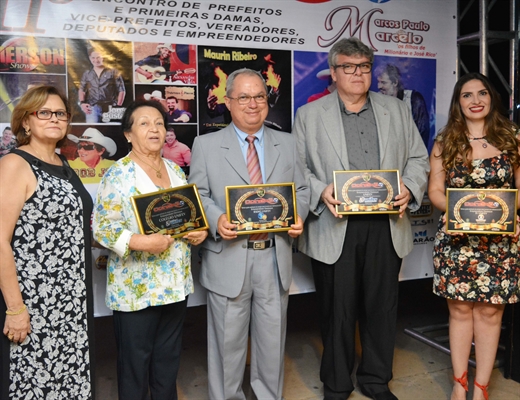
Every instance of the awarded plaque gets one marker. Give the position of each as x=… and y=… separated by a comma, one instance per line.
x=173, y=212
x=366, y=191
x=490, y=211
x=261, y=208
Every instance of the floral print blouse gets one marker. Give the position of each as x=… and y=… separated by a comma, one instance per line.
x=137, y=279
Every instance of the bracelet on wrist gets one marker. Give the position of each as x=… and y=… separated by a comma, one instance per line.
x=21, y=310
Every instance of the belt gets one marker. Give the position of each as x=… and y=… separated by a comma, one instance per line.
x=260, y=245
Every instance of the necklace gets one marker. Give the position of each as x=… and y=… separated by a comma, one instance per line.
x=157, y=171
x=41, y=158
x=483, y=138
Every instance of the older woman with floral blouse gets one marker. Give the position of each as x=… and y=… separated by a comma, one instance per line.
x=149, y=276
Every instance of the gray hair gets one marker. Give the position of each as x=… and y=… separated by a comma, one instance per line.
x=242, y=71
x=349, y=47
x=393, y=74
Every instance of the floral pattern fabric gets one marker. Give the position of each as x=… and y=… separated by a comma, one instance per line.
x=49, y=250
x=472, y=267
x=137, y=279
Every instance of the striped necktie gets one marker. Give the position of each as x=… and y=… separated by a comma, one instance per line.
x=255, y=176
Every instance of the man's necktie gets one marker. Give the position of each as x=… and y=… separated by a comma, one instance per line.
x=255, y=176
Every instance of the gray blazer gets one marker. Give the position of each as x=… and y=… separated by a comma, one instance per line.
x=322, y=146
x=217, y=162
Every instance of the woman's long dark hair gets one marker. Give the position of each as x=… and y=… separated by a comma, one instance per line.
x=500, y=131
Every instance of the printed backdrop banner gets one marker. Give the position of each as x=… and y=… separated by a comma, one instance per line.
x=106, y=53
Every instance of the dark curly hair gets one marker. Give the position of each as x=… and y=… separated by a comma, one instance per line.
x=500, y=131
x=128, y=117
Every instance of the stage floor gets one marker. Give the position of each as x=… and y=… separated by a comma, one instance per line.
x=420, y=371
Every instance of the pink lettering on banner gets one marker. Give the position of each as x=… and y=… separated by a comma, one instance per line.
x=353, y=22
x=399, y=37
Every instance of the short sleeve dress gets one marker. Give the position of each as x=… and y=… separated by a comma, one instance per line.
x=51, y=246
x=475, y=267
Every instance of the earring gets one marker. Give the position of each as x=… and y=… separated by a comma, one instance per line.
x=27, y=132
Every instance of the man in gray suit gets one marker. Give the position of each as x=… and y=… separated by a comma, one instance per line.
x=247, y=282
x=356, y=260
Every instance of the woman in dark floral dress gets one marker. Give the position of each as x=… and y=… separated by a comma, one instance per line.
x=477, y=274
x=45, y=306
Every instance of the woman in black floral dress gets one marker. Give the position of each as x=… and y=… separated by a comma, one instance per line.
x=477, y=274
x=45, y=310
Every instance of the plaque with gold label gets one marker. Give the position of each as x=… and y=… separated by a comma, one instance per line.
x=490, y=211
x=261, y=208
x=173, y=212
x=366, y=191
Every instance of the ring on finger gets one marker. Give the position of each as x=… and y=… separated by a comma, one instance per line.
x=10, y=336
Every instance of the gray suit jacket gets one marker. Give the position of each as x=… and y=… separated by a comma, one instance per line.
x=217, y=162
x=322, y=146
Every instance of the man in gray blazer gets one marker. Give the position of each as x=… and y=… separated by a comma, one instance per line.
x=247, y=282
x=356, y=259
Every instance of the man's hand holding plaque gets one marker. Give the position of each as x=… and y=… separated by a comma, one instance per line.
x=367, y=191
x=261, y=208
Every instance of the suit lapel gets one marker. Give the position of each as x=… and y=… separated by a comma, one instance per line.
x=331, y=119
x=233, y=153
x=382, y=116
x=271, y=153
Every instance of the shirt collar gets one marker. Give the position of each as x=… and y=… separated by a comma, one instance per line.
x=366, y=106
x=242, y=135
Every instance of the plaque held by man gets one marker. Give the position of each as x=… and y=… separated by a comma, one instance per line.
x=366, y=191
x=261, y=208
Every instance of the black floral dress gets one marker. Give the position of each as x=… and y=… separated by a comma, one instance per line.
x=472, y=267
x=51, y=249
